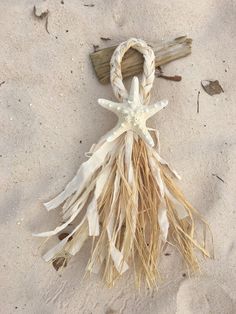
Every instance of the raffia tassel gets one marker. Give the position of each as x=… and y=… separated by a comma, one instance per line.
x=129, y=204
x=135, y=210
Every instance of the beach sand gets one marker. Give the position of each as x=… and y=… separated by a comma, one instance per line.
x=50, y=118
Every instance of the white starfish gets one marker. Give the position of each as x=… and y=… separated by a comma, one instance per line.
x=132, y=114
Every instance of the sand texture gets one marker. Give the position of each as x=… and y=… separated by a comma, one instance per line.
x=50, y=118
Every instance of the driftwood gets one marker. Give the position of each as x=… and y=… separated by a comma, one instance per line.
x=132, y=63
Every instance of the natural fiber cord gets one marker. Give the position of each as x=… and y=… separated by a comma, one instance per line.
x=148, y=69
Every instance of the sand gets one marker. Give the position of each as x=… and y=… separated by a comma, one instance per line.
x=50, y=118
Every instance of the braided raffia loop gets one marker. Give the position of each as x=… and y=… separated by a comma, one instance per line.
x=148, y=69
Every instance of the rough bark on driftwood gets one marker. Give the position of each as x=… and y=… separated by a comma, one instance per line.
x=132, y=63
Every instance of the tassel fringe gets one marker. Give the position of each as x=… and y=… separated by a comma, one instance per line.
x=131, y=207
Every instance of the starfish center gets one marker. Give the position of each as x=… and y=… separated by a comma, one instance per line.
x=132, y=114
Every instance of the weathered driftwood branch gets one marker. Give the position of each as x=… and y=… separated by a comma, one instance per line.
x=132, y=63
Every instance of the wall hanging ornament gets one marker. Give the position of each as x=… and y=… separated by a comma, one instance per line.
x=123, y=197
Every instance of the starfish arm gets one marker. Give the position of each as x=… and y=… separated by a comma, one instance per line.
x=114, y=133
x=145, y=135
x=134, y=90
x=117, y=107
x=107, y=104
x=153, y=109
